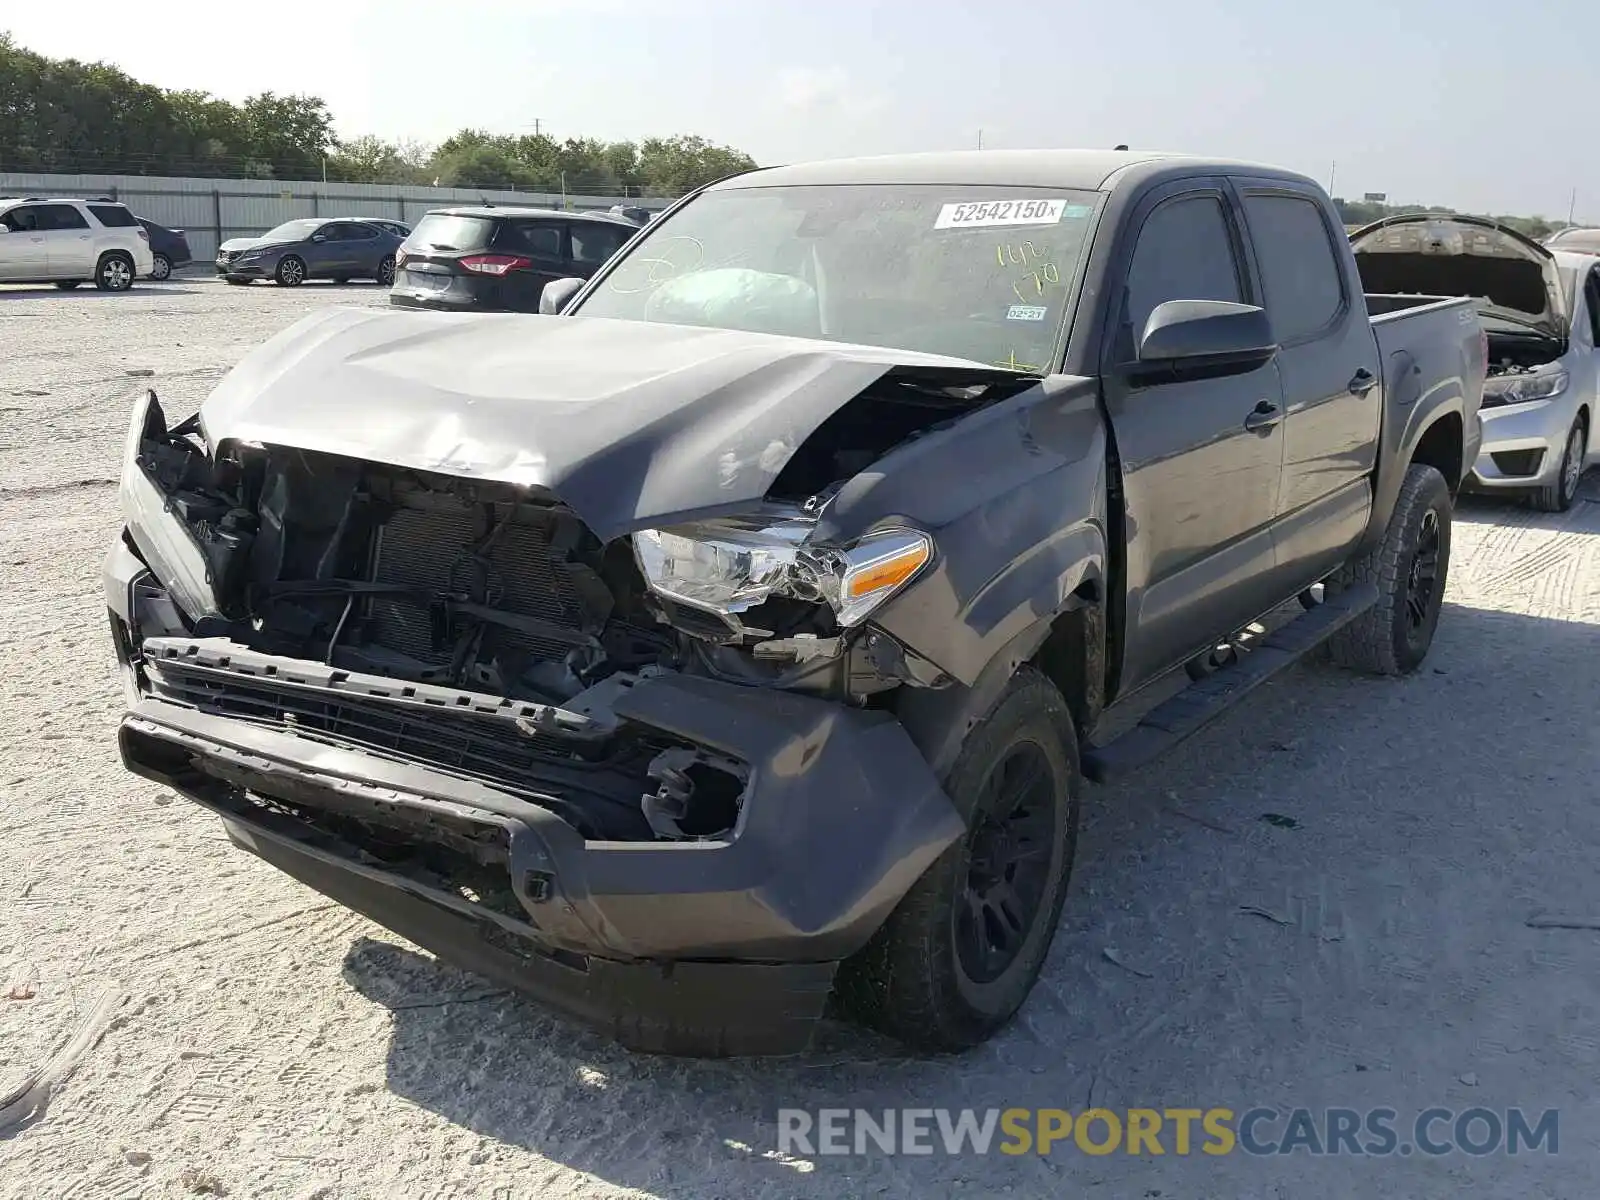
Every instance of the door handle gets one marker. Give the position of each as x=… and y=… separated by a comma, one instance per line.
x=1264, y=417
x=1362, y=382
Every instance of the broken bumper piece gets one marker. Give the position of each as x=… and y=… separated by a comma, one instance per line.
x=686, y=947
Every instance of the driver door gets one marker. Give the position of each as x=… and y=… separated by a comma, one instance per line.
x=1200, y=489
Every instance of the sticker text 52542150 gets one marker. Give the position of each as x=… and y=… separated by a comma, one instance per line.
x=976, y=214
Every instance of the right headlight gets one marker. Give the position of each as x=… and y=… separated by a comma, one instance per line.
x=1520, y=389
x=729, y=567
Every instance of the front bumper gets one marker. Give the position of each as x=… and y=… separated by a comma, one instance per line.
x=1522, y=444
x=708, y=948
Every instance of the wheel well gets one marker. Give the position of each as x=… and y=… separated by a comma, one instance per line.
x=1073, y=655
x=1440, y=448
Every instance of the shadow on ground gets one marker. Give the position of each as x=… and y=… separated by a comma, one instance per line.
x=1320, y=900
x=89, y=292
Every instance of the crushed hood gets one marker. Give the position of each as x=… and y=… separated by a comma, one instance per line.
x=629, y=423
x=1511, y=276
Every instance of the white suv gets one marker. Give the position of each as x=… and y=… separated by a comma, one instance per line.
x=68, y=242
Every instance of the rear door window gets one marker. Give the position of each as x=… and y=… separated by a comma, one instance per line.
x=113, y=216
x=446, y=231
x=593, y=243
x=60, y=216
x=536, y=239
x=1185, y=252
x=1299, y=269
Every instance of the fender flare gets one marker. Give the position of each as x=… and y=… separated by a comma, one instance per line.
x=939, y=720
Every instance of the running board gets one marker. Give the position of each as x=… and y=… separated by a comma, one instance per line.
x=1176, y=718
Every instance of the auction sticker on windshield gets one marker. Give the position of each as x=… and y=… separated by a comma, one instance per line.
x=1000, y=212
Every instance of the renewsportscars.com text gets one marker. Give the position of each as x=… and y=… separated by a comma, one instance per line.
x=1375, y=1132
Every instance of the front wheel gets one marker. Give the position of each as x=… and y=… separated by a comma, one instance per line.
x=114, y=273
x=959, y=955
x=291, y=271
x=1410, y=566
x=1557, y=496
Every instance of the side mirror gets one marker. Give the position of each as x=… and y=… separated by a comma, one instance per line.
x=1207, y=337
x=319, y=237
x=556, y=294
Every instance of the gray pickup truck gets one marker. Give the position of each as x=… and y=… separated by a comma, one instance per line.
x=737, y=638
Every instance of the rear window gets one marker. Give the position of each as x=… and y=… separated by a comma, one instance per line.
x=113, y=216
x=447, y=232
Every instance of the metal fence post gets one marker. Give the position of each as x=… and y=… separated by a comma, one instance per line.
x=216, y=212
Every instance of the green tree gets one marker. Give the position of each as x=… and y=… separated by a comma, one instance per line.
x=292, y=133
x=673, y=166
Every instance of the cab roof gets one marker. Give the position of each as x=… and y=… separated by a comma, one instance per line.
x=1078, y=170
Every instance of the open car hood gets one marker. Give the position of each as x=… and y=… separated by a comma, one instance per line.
x=630, y=423
x=1512, y=276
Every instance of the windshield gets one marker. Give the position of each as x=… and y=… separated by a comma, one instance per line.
x=292, y=231
x=982, y=273
x=446, y=232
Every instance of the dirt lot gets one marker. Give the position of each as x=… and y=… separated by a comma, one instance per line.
x=1367, y=947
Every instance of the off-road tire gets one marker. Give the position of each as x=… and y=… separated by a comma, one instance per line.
x=1383, y=640
x=1558, y=495
x=291, y=271
x=908, y=981
x=115, y=271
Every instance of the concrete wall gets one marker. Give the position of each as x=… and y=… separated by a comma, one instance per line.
x=212, y=210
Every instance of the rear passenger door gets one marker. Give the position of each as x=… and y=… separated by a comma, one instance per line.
x=365, y=245
x=1332, y=379
x=542, y=245
x=1200, y=490
x=68, y=241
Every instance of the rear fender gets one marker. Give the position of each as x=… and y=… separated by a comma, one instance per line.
x=1418, y=417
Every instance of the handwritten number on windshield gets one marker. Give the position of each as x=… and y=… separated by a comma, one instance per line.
x=1037, y=271
x=660, y=267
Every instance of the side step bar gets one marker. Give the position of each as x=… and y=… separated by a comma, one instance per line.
x=1175, y=719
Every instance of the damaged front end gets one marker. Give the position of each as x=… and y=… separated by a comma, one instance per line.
x=643, y=779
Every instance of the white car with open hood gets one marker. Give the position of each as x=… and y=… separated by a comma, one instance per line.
x=1541, y=310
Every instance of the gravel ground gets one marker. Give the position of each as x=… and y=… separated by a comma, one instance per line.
x=1367, y=947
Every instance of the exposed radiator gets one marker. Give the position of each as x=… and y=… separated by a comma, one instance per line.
x=432, y=550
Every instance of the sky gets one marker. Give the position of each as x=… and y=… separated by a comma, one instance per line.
x=1480, y=106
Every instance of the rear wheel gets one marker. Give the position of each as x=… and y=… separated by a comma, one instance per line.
x=114, y=272
x=1410, y=566
x=291, y=271
x=955, y=961
x=160, y=267
x=1558, y=495
x=386, y=271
